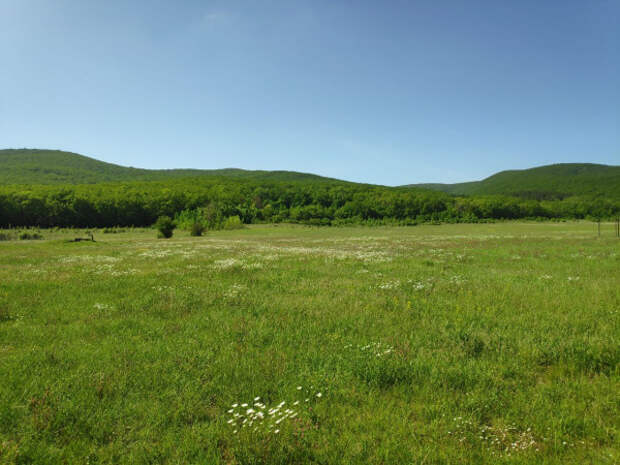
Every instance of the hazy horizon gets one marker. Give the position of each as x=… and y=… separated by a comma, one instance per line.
x=387, y=94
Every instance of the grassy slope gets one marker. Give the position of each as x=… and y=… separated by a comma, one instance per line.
x=31, y=166
x=132, y=349
x=566, y=179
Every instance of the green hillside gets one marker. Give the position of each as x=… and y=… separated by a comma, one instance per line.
x=43, y=188
x=33, y=166
x=544, y=182
x=551, y=182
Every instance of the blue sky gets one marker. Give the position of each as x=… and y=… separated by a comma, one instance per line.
x=387, y=92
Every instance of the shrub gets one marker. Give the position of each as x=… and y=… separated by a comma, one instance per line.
x=165, y=226
x=197, y=229
x=7, y=236
x=232, y=222
x=187, y=218
x=26, y=236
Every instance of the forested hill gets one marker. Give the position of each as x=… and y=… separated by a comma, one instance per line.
x=544, y=182
x=33, y=166
x=52, y=188
x=551, y=182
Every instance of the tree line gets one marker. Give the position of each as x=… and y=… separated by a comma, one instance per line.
x=141, y=203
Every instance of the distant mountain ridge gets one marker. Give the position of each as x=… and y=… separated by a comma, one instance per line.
x=544, y=182
x=37, y=166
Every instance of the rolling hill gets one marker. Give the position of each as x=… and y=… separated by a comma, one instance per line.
x=48, y=167
x=45, y=188
x=35, y=166
x=545, y=182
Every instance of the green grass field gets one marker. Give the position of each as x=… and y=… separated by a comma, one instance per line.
x=449, y=344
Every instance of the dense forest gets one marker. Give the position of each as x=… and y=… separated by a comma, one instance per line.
x=32, y=194
x=141, y=203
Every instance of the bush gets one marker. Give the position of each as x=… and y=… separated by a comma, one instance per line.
x=187, y=218
x=232, y=222
x=165, y=226
x=26, y=236
x=197, y=229
x=7, y=236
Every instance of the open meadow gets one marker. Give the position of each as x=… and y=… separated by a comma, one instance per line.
x=276, y=344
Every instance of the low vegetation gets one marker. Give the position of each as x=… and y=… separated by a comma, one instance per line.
x=13, y=235
x=197, y=229
x=165, y=227
x=467, y=343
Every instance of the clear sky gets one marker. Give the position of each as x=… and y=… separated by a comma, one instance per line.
x=387, y=92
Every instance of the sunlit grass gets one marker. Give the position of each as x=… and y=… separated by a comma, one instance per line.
x=447, y=344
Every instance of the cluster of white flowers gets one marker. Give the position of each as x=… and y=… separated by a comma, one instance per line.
x=370, y=256
x=573, y=278
x=263, y=252
x=504, y=439
x=234, y=291
x=366, y=255
x=227, y=264
x=215, y=245
x=158, y=253
x=442, y=255
x=163, y=288
x=102, y=307
x=390, y=285
x=111, y=271
x=546, y=276
x=416, y=285
x=456, y=279
x=436, y=252
x=31, y=269
x=378, y=349
x=257, y=416
x=421, y=285
x=508, y=438
x=252, y=266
